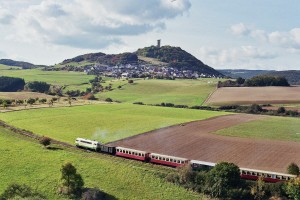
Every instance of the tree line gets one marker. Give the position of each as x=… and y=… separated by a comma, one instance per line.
x=223, y=181
x=256, y=81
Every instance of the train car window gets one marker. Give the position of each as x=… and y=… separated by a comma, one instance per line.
x=167, y=159
x=156, y=157
x=171, y=160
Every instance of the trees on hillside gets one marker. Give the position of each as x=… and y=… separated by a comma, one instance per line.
x=11, y=84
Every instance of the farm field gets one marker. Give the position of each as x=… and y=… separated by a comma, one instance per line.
x=23, y=95
x=53, y=77
x=273, y=128
x=103, y=122
x=5, y=67
x=196, y=140
x=153, y=91
x=259, y=95
x=24, y=161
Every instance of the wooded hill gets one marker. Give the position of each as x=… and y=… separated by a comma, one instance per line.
x=174, y=57
x=177, y=58
x=23, y=65
x=293, y=76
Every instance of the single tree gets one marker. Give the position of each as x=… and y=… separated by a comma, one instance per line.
x=281, y=110
x=258, y=189
x=292, y=188
x=72, y=183
x=293, y=168
x=31, y=101
x=222, y=179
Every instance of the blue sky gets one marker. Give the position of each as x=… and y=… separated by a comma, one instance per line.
x=223, y=34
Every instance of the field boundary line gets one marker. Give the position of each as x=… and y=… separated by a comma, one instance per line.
x=206, y=100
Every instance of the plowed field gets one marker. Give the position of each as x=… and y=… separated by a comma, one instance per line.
x=195, y=141
x=250, y=95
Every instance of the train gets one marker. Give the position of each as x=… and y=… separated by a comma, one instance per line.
x=172, y=161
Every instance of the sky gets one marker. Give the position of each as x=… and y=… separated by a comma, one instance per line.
x=231, y=34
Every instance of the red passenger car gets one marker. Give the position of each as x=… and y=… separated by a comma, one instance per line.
x=132, y=153
x=167, y=160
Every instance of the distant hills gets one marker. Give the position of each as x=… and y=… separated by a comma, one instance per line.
x=23, y=65
x=293, y=76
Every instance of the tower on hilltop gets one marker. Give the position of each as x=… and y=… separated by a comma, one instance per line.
x=158, y=43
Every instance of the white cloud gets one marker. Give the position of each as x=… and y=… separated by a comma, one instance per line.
x=90, y=23
x=240, y=29
x=226, y=57
x=286, y=39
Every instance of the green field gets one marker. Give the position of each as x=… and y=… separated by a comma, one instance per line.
x=52, y=77
x=273, y=128
x=184, y=92
x=5, y=67
x=24, y=161
x=105, y=123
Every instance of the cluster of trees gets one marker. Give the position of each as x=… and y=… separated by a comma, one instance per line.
x=224, y=182
x=255, y=81
x=11, y=84
x=257, y=109
x=38, y=86
x=18, y=102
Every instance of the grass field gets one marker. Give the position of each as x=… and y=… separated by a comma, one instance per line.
x=52, y=77
x=5, y=67
x=26, y=162
x=273, y=128
x=106, y=123
x=185, y=92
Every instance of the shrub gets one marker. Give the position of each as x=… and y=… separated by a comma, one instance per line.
x=17, y=191
x=94, y=194
x=130, y=81
x=45, y=141
x=293, y=168
x=31, y=101
x=38, y=86
x=139, y=103
x=11, y=84
x=108, y=100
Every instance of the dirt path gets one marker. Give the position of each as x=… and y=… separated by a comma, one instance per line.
x=195, y=141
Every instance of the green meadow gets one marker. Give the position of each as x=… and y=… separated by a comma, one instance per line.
x=103, y=122
x=181, y=91
x=24, y=161
x=273, y=128
x=53, y=77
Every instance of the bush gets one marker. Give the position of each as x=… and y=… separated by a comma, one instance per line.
x=31, y=101
x=17, y=191
x=38, y=86
x=130, y=81
x=139, y=103
x=108, y=100
x=45, y=141
x=293, y=168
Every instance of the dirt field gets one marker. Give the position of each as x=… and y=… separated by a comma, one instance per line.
x=249, y=95
x=195, y=141
x=23, y=95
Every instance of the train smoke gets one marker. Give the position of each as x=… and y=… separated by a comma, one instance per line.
x=100, y=135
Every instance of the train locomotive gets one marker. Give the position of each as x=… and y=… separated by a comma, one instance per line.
x=172, y=161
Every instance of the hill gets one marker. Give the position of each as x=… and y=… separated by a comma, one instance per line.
x=102, y=58
x=177, y=58
x=293, y=76
x=244, y=73
x=23, y=65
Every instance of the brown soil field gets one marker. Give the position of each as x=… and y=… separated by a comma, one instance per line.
x=23, y=95
x=195, y=140
x=250, y=95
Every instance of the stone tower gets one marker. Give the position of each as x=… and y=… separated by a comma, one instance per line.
x=158, y=43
